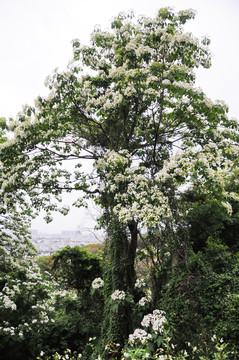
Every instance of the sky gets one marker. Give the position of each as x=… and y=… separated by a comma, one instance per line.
x=36, y=37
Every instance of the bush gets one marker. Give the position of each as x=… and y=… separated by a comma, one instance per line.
x=202, y=298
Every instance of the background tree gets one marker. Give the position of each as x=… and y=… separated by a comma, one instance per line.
x=76, y=268
x=45, y=263
x=77, y=319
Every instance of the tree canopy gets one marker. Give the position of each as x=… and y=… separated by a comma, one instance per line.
x=76, y=268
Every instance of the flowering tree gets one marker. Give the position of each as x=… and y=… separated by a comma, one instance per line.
x=128, y=103
x=26, y=299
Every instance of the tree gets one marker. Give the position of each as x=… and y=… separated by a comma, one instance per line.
x=201, y=299
x=44, y=263
x=76, y=268
x=128, y=102
x=26, y=300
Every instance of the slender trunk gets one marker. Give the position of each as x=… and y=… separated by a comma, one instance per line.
x=133, y=242
x=120, y=275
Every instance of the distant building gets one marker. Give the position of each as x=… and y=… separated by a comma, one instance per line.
x=48, y=244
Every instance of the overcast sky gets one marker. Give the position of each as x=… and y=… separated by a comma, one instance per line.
x=36, y=35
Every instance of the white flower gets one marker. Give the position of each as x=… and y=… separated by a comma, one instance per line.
x=97, y=283
x=139, y=334
x=14, y=306
x=144, y=300
x=118, y=295
x=112, y=188
x=140, y=283
x=8, y=303
x=166, y=82
x=227, y=206
x=156, y=320
x=213, y=338
x=130, y=90
x=146, y=320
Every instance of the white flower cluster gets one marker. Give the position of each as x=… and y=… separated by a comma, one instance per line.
x=139, y=335
x=67, y=355
x=70, y=294
x=144, y=300
x=156, y=320
x=165, y=357
x=141, y=50
x=140, y=200
x=190, y=13
x=140, y=283
x=7, y=303
x=8, y=330
x=129, y=91
x=186, y=37
x=33, y=291
x=97, y=283
x=113, y=159
x=227, y=206
x=166, y=82
x=117, y=72
x=143, y=202
x=118, y=295
x=116, y=99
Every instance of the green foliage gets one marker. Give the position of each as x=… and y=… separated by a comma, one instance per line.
x=3, y=128
x=217, y=221
x=76, y=321
x=68, y=354
x=200, y=298
x=79, y=317
x=44, y=263
x=119, y=274
x=94, y=248
x=76, y=268
x=26, y=304
x=36, y=314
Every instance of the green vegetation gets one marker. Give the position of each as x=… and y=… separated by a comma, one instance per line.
x=165, y=175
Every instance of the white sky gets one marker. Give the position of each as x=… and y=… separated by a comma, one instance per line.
x=36, y=35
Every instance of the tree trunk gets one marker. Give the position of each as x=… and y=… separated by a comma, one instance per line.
x=120, y=275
